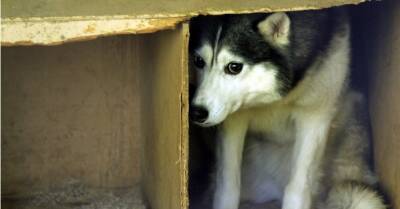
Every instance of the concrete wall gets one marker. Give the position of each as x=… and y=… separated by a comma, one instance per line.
x=70, y=112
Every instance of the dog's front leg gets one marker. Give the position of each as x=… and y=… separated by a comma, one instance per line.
x=311, y=137
x=229, y=159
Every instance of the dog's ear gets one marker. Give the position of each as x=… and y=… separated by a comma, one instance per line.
x=275, y=28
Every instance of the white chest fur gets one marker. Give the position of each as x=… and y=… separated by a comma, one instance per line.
x=304, y=116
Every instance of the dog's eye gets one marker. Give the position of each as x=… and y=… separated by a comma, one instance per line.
x=199, y=62
x=234, y=68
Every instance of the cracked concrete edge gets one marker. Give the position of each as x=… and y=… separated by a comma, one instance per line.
x=54, y=32
x=59, y=30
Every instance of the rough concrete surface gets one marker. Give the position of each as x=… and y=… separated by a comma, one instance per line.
x=74, y=195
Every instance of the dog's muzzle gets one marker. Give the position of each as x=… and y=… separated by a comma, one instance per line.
x=198, y=114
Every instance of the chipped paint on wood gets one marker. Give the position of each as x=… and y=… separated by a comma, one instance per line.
x=19, y=32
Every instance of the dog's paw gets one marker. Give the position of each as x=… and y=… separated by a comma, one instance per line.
x=225, y=205
x=295, y=198
x=226, y=201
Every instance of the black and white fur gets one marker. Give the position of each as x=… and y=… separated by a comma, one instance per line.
x=276, y=85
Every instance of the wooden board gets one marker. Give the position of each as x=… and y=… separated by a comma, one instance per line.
x=26, y=22
x=164, y=117
x=385, y=101
x=70, y=112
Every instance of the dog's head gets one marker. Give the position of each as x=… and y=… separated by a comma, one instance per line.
x=241, y=61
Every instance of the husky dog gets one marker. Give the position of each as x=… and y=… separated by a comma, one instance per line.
x=277, y=87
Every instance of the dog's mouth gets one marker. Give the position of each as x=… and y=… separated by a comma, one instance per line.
x=205, y=124
x=210, y=122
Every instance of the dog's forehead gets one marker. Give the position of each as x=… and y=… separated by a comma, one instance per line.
x=217, y=29
x=237, y=33
x=203, y=30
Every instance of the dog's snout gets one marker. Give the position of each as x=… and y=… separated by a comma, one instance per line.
x=198, y=114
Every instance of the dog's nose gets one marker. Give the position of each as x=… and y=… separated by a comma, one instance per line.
x=198, y=114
